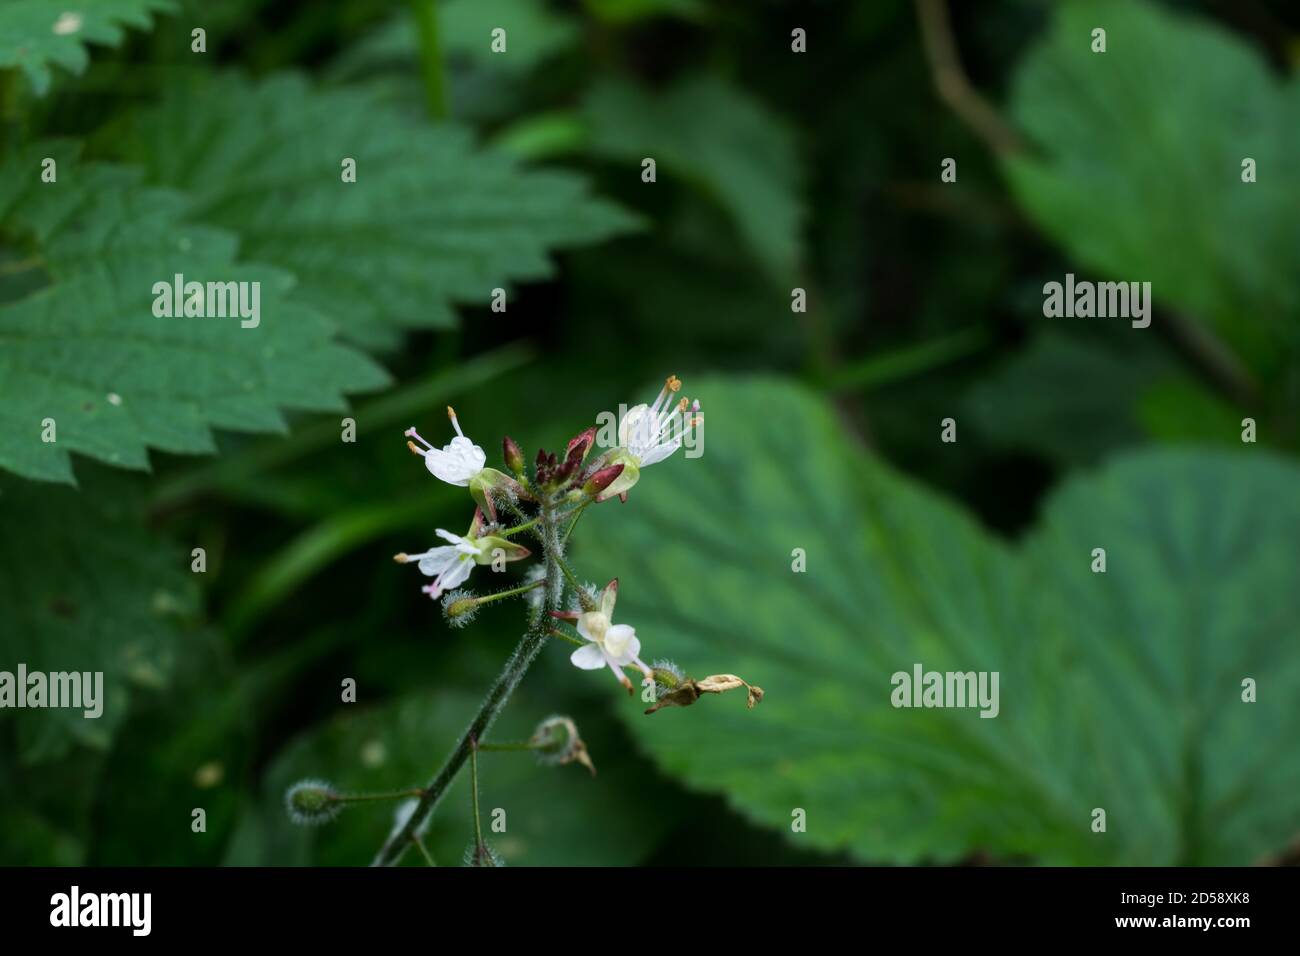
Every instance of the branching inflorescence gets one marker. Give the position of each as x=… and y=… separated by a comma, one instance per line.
x=544, y=507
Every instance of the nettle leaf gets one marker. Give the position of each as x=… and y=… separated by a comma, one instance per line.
x=87, y=353
x=35, y=34
x=553, y=815
x=86, y=588
x=715, y=137
x=431, y=221
x=1071, y=420
x=1134, y=182
x=1120, y=691
x=534, y=34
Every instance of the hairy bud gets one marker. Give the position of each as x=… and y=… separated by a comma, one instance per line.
x=312, y=802
x=513, y=455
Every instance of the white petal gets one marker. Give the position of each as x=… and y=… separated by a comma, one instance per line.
x=588, y=658
x=456, y=463
x=657, y=454
x=456, y=574
x=621, y=643
x=438, y=560
x=448, y=536
x=592, y=625
x=632, y=429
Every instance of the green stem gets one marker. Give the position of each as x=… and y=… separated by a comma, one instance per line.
x=473, y=779
x=518, y=528
x=521, y=745
x=556, y=632
x=529, y=646
x=583, y=597
x=424, y=850
x=501, y=595
x=387, y=795
x=574, y=523
x=431, y=59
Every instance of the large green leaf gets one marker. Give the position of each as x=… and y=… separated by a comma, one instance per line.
x=1071, y=420
x=1119, y=690
x=1135, y=180
x=431, y=220
x=35, y=34
x=713, y=136
x=86, y=350
x=86, y=588
x=534, y=34
x=553, y=815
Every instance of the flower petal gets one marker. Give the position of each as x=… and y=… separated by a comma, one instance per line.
x=588, y=658
x=657, y=454
x=438, y=560
x=621, y=643
x=456, y=574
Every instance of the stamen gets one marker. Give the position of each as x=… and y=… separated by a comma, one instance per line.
x=663, y=394
x=401, y=557
x=673, y=384
x=415, y=449
x=451, y=413
x=412, y=433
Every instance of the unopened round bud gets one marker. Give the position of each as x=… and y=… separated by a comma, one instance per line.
x=312, y=802
x=460, y=606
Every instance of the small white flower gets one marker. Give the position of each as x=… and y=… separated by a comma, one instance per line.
x=646, y=431
x=448, y=565
x=458, y=462
x=612, y=645
x=650, y=433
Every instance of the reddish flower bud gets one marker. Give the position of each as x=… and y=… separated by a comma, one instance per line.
x=581, y=443
x=513, y=455
x=601, y=480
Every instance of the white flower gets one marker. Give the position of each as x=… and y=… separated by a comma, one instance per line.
x=448, y=565
x=612, y=645
x=648, y=434
x=458, y=462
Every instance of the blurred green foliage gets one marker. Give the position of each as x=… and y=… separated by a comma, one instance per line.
x=776, y=170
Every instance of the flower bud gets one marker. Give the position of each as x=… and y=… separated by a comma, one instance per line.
x=312, y=802
x=460, y=607
x=556, y=741
x=513, y=455
x=480, y=854
x=623, y=483
x=601, y=480
x=580, y=444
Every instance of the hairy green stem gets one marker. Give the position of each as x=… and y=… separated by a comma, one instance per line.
x=520, y=745
x=500, y=595
x=431, y=59
x=498, y=695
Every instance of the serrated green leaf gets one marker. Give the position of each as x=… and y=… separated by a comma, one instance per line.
x=87, y=352
x=1071, y=418
x=38, y=34
x=431, y=222
x=1138, y=169
x=1119, y=690
x=86, y=588
x=554, y=816
x=715, y=137
x=534, y=34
